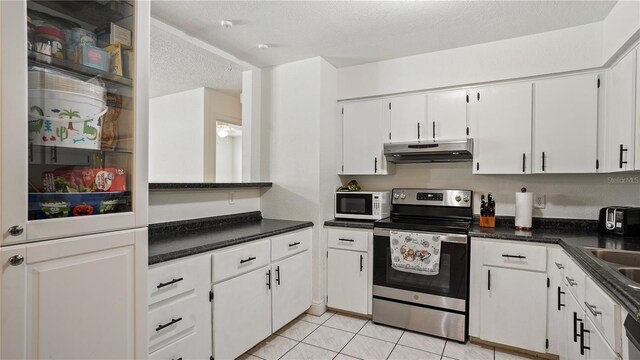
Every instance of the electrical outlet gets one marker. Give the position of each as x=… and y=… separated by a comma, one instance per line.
x=232, y=198
x=539, y=201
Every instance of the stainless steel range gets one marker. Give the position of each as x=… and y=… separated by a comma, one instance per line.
x=435, y=303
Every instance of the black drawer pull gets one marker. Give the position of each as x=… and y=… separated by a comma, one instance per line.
x=247, y=259
x=349, y=240
x=269, y=279
x=177, y=358
x=173, y=321
x=161, y=285
x=560, y=293
x=514, y=256
x=294, y=244
x=361, y=264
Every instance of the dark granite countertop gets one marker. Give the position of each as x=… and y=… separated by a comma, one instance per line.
x=206, y=186
x=573, y=241
x=350, y=223
x=174, y=240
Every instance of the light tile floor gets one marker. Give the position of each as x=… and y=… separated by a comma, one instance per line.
x=345, y=337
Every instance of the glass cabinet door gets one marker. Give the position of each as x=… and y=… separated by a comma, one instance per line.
x=82, y=109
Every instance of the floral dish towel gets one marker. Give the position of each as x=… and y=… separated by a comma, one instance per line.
x=415, y=252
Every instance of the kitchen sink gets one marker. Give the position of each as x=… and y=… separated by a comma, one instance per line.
x=632, y=274
x=618, y=257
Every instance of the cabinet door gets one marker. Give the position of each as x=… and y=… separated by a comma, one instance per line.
x=620, y=110
x=500, y=119
x=407, y=118
x=291, y=282
x=556, y=300
x=60, y=156
x=514, y=308
x=365, y=127
x=598, y=349
x=574, y=316
x=347, y=280
x=75, y=299
x=566, y=124
x=447, y=115
x=241, y=313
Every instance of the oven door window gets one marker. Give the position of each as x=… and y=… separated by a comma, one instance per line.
x=451, y=281
x=353, y=204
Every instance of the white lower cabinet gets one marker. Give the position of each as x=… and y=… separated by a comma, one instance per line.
x=241, y=313
x=349, y=270
x=513, y=308
x=74, y=298
x=291, y=288
x=556, y=301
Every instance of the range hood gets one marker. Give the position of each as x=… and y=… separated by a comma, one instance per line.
x=429, y=151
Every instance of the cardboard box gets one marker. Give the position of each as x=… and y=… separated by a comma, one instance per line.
x=95, y=57
x=115, y=58
x=111, y=33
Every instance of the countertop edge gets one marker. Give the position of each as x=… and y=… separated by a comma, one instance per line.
x=210, y=247
x=349, y=224
x=206, y=186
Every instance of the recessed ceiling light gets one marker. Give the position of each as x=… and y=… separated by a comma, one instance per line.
x=263, y=46
x=226, y=24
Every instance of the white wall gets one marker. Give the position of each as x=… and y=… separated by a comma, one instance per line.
x=182, y=205
x=176, y=122
x=299, y=149
x=563, y=50
x=567, y=196
x=620, y=28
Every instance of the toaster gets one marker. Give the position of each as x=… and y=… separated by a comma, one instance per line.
x=619, y=220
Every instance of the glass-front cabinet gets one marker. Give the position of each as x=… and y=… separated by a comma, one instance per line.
x=74, y=117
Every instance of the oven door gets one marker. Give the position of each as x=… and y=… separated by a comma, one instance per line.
x=354, y=205
x=447, y=289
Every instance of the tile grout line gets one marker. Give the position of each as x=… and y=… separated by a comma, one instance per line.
x=300, y=341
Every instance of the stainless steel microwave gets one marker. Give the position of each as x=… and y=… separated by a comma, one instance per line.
x=362, y=205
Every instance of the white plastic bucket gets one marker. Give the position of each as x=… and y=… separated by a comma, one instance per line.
x=65, y=118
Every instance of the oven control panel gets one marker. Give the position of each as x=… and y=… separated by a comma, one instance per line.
x=432, y=197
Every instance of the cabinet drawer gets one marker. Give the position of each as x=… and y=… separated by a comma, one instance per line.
x=174, y=278
x=289, y=244
x=517, y=256
x=575, y=280
x=240, y=259
x=348, y=239
x=604, y=313
x=185, y=348
x=168, y=323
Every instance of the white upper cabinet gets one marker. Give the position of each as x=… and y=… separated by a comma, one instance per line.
x=566, y=124
x=364, y=129
x=447, y=115
x=618, y=135
x=407, y=116
x=500, y=119
x=71, y=164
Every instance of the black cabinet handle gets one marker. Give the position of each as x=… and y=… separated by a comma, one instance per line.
x=524, y=157
x=542, y=161
x=478, y=96
x=251, y=258
x=489, y=280
x=478, y=166
x=278, y=275
x=575, y=326
x=349, y=240
x=375, y=165
x=418, y=131
x=173, y=321
x=161, y=285
x=582, y=332
x=269, y=279
x=622, y=149
x=361, y=264
x=177, y=358
x=514, y=256
x=434, y=129
x=560, y=304
x=294, y=244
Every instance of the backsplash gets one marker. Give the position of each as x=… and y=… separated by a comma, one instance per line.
x=578, y=196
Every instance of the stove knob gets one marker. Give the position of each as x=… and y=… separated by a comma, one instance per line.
x=458, y=198
x=403, y=196
x=465, y=199
x=396, y=196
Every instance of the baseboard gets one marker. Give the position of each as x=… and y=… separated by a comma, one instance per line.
x=317, y=308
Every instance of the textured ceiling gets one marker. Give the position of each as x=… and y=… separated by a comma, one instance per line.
x=177, y=65
x=356, y=32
